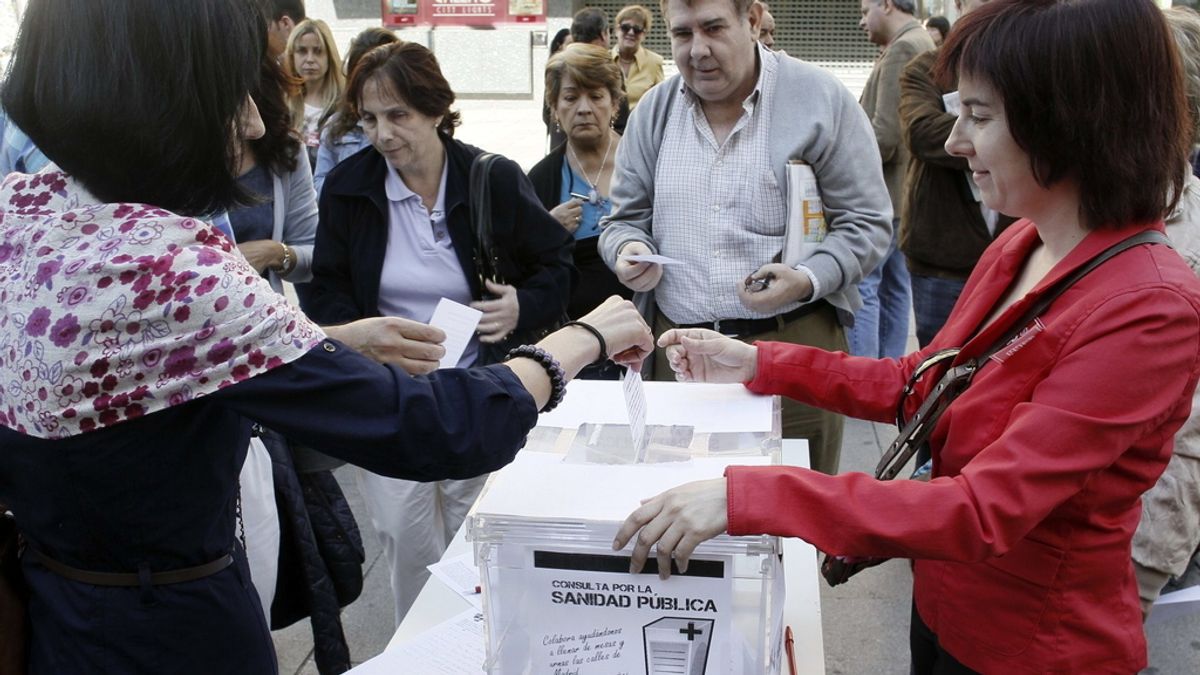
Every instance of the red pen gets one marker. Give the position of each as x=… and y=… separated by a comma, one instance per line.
x=790, y=648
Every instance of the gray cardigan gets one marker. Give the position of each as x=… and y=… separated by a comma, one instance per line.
x=815, y=119
x=295, y=220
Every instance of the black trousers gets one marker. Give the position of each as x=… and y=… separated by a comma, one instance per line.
x=928, y=657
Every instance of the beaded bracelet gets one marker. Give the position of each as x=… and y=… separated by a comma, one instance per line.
x=593, y=331
x=558, y=378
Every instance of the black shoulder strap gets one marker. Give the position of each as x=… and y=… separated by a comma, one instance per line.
x=480, y=198
x=915, y=432
x=1036, y=309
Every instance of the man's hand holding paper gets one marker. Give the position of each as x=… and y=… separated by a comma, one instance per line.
x=637, y=275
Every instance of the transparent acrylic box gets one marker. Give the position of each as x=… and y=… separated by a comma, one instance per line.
x=559, y=600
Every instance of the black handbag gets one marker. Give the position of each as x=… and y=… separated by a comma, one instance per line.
x=486, y=255
x=490, y=259
x=14, y=600
x=915, y=432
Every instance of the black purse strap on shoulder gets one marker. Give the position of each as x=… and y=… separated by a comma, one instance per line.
x=915, y=432
x=485, y=254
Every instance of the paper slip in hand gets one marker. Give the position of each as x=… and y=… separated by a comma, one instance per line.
x=652, y=258
x=459, y=322
x=635, y=404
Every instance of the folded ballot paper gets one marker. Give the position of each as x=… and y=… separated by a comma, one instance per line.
x=558, y=599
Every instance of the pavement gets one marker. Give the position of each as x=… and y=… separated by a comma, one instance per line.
x=865, y=621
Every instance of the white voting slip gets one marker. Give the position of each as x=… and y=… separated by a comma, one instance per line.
x=453, y=647
x=459, y=322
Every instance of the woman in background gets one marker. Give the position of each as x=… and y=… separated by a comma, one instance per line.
x=276, y=233
x=312, y=56
x=1020, y=541
x=396, y=238
x=341, y=134
x=641, y=67
x=583, y=90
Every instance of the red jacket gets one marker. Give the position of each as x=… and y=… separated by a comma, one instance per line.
x=1021, y=541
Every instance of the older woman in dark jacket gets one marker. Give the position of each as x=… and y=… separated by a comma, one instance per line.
x=396, y=238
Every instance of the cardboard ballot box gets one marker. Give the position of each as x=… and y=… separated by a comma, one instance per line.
x=558, y=600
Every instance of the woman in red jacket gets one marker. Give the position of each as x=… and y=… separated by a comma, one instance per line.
x=1074, y=119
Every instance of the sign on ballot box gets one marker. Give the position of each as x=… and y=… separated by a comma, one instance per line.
x=558, y=600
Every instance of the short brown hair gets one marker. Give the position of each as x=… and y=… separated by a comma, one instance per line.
x=742, y=6
x=1093, y=91
x=590, y=66
x=413, y=73
x=637, y=13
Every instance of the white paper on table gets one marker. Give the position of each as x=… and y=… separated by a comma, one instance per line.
x=461, y=575
x=707, y=408
x=459, y=322
x=1175, y=605
x=453, y=647
x=596, y=492
x=635, y=406
x=652, y=258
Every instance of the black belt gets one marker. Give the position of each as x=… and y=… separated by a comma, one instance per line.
x=743, y=327
x=129, y=578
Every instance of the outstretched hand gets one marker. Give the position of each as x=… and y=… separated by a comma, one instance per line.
x=626, y=334
x=701, y=355
x=675, y=523
x=413, y=346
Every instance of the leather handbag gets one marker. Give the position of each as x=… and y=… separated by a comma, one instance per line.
x=915, y=432
x=14, y=600
x=489, y=257
x=486, y=255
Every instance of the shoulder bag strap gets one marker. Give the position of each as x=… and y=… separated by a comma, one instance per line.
x=956, y=380
x=479, y=184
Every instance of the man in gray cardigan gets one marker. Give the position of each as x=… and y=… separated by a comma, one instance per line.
x=701, y=178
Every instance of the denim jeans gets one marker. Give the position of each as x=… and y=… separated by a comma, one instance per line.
x=932, y=299
x=881, y=326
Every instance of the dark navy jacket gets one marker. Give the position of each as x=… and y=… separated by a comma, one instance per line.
x=352, y=240
x=160, y=492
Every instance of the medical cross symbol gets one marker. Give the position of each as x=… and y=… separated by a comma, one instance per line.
x=691, y=631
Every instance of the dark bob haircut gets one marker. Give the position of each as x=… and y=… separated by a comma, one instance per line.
x=1093, y=92
x=141, y=103
x=411, y=71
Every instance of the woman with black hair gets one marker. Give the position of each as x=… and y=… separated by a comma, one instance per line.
x=138, y=347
